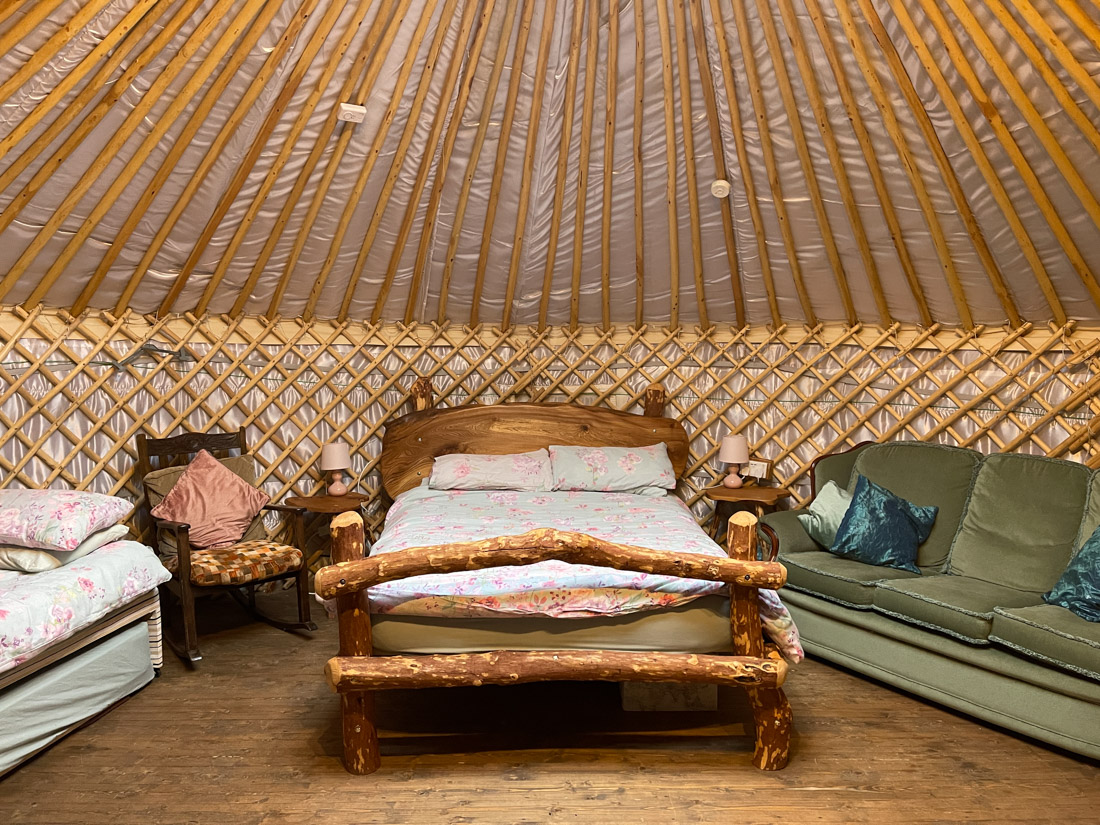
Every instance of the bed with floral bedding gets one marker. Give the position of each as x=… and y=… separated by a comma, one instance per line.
x=532, y=542
x=79, y=615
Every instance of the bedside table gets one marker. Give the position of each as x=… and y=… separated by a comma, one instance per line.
x=329, y=506
x=727, y=500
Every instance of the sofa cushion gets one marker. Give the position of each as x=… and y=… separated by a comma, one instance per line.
x=1021, y=521
x=1091, y=522
x=1078, y=590
x=823, y=517
x=883, y=529
x=1050, y=634
x=927, y=475
x=956, y=605
x=848, y=582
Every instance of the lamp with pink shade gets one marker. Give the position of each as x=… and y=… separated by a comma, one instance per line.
x=336, y=458
x=735, y=452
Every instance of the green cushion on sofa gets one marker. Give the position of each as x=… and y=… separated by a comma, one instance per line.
x=955, y=605
x=925, y=474
x=840, y=580
x=1022, y=521
x=1051, y=634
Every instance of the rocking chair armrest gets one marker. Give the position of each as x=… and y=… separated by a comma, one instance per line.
x=297, y=518
x=175, y=526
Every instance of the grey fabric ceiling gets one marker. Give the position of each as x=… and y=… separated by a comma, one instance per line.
x=527, y=161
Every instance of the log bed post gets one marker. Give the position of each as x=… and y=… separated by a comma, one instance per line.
x=421, y=393
x=655, y=401
x=361, y=754
x=770, y=709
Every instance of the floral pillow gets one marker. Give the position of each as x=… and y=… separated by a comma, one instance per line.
x=56, y=519
x=529, y=472
x=28, y=560
x=612, y=469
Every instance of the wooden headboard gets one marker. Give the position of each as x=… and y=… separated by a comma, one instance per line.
x=412, y=442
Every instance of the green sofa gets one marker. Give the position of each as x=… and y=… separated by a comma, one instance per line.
x=971, y=631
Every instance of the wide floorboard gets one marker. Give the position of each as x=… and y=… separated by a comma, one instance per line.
x=252, y=737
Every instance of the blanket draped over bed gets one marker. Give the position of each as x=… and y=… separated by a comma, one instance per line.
x=559, y=554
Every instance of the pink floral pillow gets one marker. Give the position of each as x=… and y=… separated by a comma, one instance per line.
x=56, y=519
x=612, y=469
x=518, y=471
x=217, y=503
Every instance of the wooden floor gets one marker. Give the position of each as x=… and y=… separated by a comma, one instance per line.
x=252, y=737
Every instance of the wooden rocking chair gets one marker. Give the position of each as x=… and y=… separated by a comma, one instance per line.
x=250, y=562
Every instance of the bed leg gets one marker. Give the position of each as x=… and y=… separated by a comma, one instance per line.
x=772, y=714
x=361, y=753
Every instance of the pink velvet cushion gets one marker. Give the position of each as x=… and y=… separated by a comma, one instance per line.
x=218, y=504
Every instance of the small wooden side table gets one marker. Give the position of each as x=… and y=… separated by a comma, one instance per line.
x=729, y=499
x=327, y=505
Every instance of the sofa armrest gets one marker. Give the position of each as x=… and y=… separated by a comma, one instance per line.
x=792, y=538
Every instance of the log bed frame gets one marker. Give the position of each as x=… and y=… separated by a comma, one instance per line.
x=409, y=447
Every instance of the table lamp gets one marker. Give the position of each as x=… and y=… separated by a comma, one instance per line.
x=335, y=458
x=735, y=452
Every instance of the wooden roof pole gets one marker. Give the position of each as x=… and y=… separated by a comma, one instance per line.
x=467, y=71
x=240, y=52
x=584, y=162
x=83, y=15
x=908, y=162
x=39, y=10
x=863, y=137
x=292, y=201
x=760, y=106
x=371, y=157
x=87, y=123
x=567, y=133
x=519, y=57
x=411, y=125
x=247, y=163
x=259, y=82
x=639, y=173
x=947, y=171
x=1076, y=14
x=110, y=151
x=978, y=152
x=844, y=184
x=612, y=90
x=974, y=86
x=51, y=104
x=802, y=149
x=1019, y=97
x=548, y=18
x=737, y=127
x=332, y=64
x=714, y=126
x=563, y=155
x=670, y=166
x=687, y=121
x=475, y=156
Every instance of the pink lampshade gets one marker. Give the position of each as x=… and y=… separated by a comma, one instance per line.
x=734, y=450
x=335, y=456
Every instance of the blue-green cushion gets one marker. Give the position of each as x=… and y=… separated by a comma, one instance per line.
x=1079, y=588
x=883, y=529
x=822, y=519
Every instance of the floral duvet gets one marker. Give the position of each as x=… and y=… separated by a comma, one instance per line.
x=422, y=517
x=37, y=609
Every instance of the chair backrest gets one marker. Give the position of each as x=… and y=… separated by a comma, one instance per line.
x=179, y=449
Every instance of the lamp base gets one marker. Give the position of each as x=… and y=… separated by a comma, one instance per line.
x=337, y=487
x=733, y=481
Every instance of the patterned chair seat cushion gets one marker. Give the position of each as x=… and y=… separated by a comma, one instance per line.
x=241, y=563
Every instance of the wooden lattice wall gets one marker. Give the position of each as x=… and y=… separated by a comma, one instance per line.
x=75, y=391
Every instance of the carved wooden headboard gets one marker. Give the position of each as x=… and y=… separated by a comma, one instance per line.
x=412, y=442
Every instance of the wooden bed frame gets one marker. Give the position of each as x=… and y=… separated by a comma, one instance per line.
x=408, y=449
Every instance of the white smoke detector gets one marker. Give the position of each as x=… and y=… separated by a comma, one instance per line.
x=351, y=113
x=720, y=189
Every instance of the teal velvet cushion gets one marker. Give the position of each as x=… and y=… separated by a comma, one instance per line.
x=1079, y=588
x=823, y=517
x=883, y=529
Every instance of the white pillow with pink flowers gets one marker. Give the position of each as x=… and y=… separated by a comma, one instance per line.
x=612, y=469
x=56, y=519
x=529, y=472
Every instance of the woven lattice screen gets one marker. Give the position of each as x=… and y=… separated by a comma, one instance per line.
x=74, y=392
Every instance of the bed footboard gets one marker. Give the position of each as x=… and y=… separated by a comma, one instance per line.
x=355, y=673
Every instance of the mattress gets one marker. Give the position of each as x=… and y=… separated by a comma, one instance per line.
x=469, y=608
x=39, y=609
x=41, y=709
